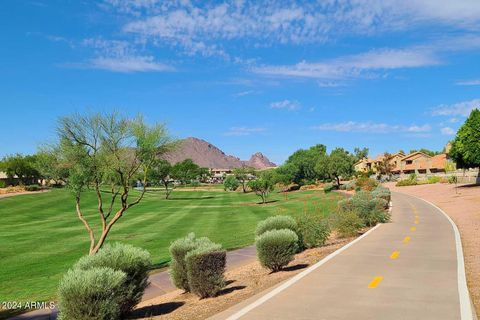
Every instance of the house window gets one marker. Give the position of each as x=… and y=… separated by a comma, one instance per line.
x=409, y=161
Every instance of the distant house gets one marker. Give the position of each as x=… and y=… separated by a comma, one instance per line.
x=368, y=164
x=421, y=163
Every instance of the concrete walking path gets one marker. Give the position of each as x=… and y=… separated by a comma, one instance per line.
x=411, y=268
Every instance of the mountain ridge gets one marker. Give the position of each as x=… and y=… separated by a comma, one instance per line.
x=205, y=154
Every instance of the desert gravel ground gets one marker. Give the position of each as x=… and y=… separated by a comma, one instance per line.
x=243, y=282
x=462, y=204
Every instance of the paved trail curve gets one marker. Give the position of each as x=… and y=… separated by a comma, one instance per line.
x=411, y=268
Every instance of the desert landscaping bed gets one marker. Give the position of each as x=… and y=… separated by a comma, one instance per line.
x=462, y=204
x=243, y=283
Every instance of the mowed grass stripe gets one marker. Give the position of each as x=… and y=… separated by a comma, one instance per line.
x=42, y=237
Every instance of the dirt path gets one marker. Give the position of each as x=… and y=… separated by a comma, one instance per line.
x=463, y=206
x=8, y=195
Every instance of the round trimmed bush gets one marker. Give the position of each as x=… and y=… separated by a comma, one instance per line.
x=92, y=294
x=314, y=230
x=276, y=248
x=205, y=269
x=134, y=262
x=276, y=223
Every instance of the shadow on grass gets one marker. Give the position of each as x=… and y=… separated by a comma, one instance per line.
x=156, y=310
x=267, y=202
x=192, y=198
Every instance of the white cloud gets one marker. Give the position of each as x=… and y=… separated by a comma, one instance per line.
x=447, y=131
x=354, y=66
x=199, y=27
x=120, y=56
x=371, y=127
x=243, y=131
x=457, y=109
x=469, y=83
x=243, y=93
x=128, y=64
x=285, y=104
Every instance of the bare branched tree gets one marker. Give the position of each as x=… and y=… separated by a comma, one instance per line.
x=108, y=153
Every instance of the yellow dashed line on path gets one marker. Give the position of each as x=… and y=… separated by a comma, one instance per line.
x=375, y=282
x=417, y=222
x=394, y=255
x=413, y=228
x=406, y=239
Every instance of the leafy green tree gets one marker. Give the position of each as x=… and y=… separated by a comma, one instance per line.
x=385, y=166
x=262, y=186
x=105, y=152
x=301, y=165
x=340, y=164
x=243, y=175
x=360, y=153
x=231, y=183
x=160, y=172
x=50, y=165
x=185, y=171
x=466, y=146
x=22, y=167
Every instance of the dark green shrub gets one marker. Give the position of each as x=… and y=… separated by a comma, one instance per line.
x=230, y=183
x=276, y=248
x=347, y=223
x=205, y=269
x=32, y=187
x=3, y=184
x=93, y=294
x=343, y=187
x=276, y=223
x=178, y=251
x=135, y=262
x=452, y=179
x=433, y=179
x=314, y=230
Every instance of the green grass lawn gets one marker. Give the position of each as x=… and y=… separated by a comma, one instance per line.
x=41, y=236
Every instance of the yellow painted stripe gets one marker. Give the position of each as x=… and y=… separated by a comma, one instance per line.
x=406, y=239
x=413, y=228
x=375, y=282
x=394, y=255
x=417, y=222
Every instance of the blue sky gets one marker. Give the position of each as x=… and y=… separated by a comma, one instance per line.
x=248, y=76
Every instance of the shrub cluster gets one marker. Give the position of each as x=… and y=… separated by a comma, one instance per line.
x=33, y=187
x=370, y=209
x=347, y=223
x=88, y=280
x=382, y=193
x=314, y=230
x=276, y=248
x=365, y=183
x=198, y=265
